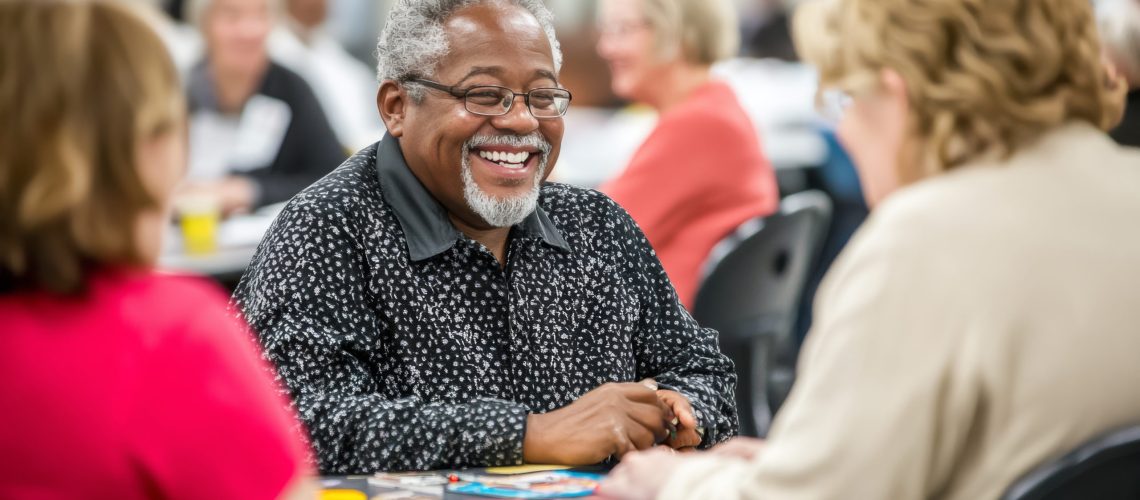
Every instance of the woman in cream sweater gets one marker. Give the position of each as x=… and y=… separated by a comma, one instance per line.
x=985, y=319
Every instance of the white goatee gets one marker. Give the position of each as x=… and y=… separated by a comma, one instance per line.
x=504, y=212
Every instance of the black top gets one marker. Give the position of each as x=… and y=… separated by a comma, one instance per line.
x=310, y=148
x=406, y=345
x=1128, y=132
x=771, y=40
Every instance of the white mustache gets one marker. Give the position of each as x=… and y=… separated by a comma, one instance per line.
x=531, y=140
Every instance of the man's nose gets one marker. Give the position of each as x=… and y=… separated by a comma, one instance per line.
x=518, y=119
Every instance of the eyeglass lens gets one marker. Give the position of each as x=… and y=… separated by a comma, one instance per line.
x=494, y=101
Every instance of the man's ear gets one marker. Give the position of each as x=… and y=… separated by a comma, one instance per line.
x=392, y=101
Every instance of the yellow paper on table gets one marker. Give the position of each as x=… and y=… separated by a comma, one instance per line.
x=525, y=469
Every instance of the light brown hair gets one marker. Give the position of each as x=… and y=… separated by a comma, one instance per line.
x=984, y=77
x=706, y=31
x=82, y=83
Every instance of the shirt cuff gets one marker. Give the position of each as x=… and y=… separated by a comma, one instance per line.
x=496, y=438
x=706, y=477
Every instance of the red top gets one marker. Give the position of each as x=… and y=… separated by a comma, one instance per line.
x=698, y=176
x=145, y=387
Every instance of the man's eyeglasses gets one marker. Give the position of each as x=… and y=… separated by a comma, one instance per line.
x=491, y=100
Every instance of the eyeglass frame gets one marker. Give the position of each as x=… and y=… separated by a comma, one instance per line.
x=461, y=93
x=832, y=104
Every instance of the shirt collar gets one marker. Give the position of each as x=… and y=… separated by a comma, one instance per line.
x=425, y=222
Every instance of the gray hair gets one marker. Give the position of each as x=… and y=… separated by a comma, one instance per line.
x=413, y=40
x=1119, y=23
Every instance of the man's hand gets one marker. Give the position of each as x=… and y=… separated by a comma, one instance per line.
x=613, y=419
x=686, y=437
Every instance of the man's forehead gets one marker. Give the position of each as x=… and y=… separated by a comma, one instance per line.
x=510, y=19
x=481, y=36
x=502, y=72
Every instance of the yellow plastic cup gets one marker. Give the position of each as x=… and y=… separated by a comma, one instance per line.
x=343, y=495
x=199, y=217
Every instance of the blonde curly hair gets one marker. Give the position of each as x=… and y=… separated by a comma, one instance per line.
x=984, y=77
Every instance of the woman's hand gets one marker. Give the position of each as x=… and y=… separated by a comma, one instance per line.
x=640, y=475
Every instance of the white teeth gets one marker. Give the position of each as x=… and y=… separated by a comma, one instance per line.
x=510, y=160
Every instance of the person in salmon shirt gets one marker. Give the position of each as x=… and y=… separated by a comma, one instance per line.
x=117, y=381
x=701, y=172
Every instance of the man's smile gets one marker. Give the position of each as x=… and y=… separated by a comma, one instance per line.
x=506, y=163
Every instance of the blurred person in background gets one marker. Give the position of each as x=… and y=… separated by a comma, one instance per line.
x=176, y=9
x=340, y=81
x=116, y=381
x=767, y=30
x=258, y=135
x=1120, y=30
x=700, y=173
x=183, y=41
x=983, y=321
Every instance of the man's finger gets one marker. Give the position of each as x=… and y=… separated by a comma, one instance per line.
x=685, y=438
x=651, y=398
x=650, y=383
x=680, y=406
x=685, y=415
x=670, y=415
x=650, y=417
x=641, y=437
x=639, y=392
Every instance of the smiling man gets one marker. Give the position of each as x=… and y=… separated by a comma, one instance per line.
x=435, y=303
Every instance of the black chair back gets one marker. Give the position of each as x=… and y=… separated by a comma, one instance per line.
x=1105, y=468
x=750, y=294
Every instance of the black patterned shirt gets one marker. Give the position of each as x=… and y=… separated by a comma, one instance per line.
x=406, y=345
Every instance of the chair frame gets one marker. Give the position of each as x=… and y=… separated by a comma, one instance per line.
x=1046, y=481
x=766, y=336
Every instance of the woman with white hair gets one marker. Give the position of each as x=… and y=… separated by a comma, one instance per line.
x=1120, y=30
x=983, y=320
x=258, y=134
x=700, y=173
